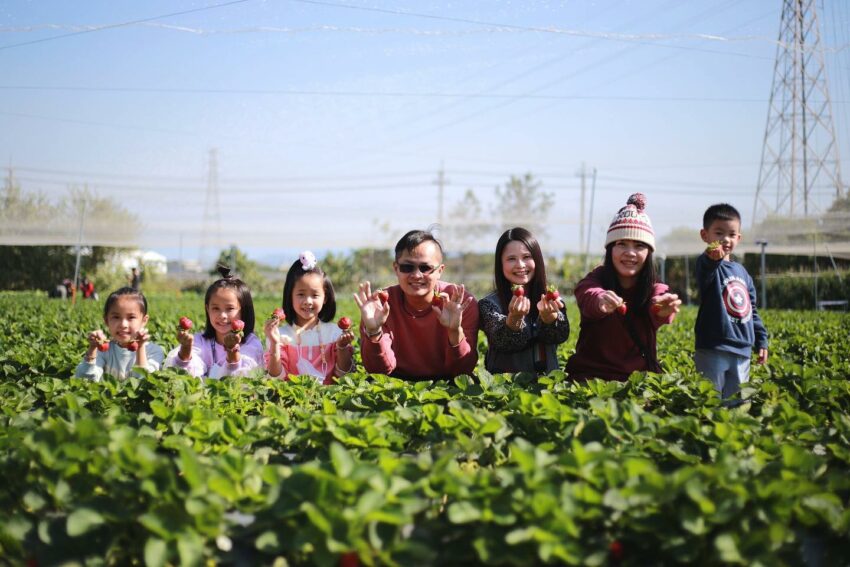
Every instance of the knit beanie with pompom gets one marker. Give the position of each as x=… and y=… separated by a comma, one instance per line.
x=631, y=223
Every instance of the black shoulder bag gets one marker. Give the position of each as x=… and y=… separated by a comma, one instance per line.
x=652, y=364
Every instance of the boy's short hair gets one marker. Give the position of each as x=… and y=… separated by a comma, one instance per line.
x=413, y=239
x=720, y=211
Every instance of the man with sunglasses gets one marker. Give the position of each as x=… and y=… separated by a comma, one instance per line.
x=409, y=336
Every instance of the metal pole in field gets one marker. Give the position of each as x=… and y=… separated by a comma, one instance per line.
x=763, y=244
x=79, y=251
x=589, y=222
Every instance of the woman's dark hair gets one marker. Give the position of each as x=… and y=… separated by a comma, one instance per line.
x=295, y=273
x=113, y=297
x=646, y=279
x=243, y=296
x=537, y=285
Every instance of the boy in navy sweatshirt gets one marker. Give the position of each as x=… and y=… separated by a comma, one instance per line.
x=728, y=325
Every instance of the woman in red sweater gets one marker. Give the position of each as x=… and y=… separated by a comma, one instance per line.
x=622, y=303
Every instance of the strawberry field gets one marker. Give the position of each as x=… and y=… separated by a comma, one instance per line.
x=503, y=469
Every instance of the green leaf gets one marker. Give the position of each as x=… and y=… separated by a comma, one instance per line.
x=160, y=410
x=728, y=548
x=267, y=542
x=463, y=512
x=156, y=552
x=341, y=459
x=83, y=520
x=191, y=468
x=190, y=547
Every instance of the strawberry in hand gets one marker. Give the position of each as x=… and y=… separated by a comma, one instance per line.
x=622, y=309
x=715, y=250
x=185, y=324
x=664, y=305
x=518, y=290
x=438, y=300
x=344, y=323
x=278, y=314
x=552, y=293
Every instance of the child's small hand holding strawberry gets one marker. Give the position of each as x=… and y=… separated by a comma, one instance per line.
x=185, y=338
x=344, y=348
x=142, y=337
x=96, y=339
x=762, y=359
x=662, y=306
x=274, y=340
x=233, y=339
x=715, y=251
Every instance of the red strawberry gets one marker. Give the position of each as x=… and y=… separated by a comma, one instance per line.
x=518, y=290
x=103, y=347
x=344, y=323
x=349, y=559
x=279, y=314
x=185, y=324
x=616, y=550
x=383, y=295
x=656, y=307
x=437, y=300
x=621, y=308
x=552, y=293
x=133, y=346
x=237, y=325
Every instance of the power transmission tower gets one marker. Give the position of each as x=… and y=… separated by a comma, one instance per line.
x=800, y=166
x=211, y=228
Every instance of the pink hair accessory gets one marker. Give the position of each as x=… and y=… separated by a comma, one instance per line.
x=308, y=260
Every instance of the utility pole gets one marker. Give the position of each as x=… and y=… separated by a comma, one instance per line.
x=582, y=173
x=441, y=183
x=763, y=244
x=79, y=251
x=590, y=220
x=211, y=228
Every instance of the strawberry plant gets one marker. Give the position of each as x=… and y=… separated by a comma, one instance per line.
x=496, y=469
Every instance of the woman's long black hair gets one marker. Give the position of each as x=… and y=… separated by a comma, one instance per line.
x=646, y=280
x=537, y=285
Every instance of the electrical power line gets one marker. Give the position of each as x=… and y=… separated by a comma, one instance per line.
x=120, y=24
x=388, y=94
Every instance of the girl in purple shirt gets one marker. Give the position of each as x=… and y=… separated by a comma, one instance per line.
x=217, y=351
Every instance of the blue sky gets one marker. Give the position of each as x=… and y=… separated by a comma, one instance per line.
x=331, y=119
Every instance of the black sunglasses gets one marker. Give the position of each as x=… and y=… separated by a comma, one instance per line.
x=424, y=269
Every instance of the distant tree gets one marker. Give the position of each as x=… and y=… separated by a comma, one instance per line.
x=521, y=202
x=466, y=227
x=25, y=219
x=341, y=270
